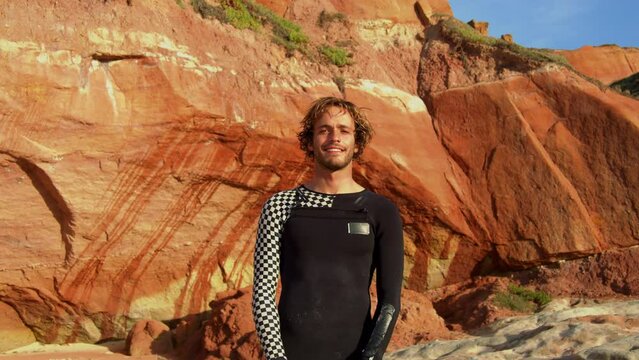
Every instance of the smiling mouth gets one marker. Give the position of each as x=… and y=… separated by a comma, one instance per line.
x=333, y=150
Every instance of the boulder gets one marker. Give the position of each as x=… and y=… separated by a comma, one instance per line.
x=507, y=38
x=480, y=26
x=418, y=322
x=230, y=332
x=149, y=337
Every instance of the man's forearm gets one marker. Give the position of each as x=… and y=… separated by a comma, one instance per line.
x=265, y=278
x=383, y=327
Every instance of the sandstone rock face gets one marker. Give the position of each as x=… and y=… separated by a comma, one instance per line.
x=609, y=274
x=562, y=329
x=577, y=215
x=399, y=11
x=138, y=143
x=135, y=157
x=469, y=305
x=606, y=63
x=449, y=60
x=402, y=11
x=537, y=172
x=13, y=332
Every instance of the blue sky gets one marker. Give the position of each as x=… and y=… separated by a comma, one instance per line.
x=556, y=24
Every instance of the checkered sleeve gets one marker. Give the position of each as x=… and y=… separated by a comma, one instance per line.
x=266, y=272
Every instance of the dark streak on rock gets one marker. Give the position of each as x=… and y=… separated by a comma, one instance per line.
x=106, y=58
x=55, y=202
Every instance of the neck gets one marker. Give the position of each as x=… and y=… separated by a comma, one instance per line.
x=333, y=182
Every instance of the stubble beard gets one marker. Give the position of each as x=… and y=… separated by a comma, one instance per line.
x=335, y=163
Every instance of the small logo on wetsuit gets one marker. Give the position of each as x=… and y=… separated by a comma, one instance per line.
x=359, y=228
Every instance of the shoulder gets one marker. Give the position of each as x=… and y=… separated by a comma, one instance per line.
x=282, y=195
x=383, y=212
x=280, y=200
x=380, y=204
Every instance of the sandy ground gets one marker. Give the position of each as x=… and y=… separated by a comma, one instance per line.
x=76, y=351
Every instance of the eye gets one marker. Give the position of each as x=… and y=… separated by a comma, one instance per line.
x=346, y=131
x=322, y=131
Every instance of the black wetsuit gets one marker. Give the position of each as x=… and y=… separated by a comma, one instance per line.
x=326, y=248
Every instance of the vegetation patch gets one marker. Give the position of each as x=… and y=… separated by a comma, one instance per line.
x=285, y=33
x=180, y=3
x=209, y=11
x=460, y=31
x=238, y=15
x=336, y=55
x=521, y=299
x=628, y=86
x=325, y=18
x=247, y=14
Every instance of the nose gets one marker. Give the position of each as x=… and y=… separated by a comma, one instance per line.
x=334, y=136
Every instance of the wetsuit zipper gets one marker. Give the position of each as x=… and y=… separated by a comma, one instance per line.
x=329, y=213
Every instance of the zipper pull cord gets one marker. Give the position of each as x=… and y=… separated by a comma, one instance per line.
x=299, y=193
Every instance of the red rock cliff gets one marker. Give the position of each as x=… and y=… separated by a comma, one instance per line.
x=540, y=152
x=138, y=142
x=606, y=63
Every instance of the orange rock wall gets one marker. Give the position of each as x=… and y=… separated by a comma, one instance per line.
x=551, y=180
x=606, y=63
x=137, y=144
x=400, y=11
x=542, y=154
x=136, y=155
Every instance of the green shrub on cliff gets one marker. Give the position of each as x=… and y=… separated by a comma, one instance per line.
x=521, y=299
x=336, y=55
x=238, y=15
x=247, y=14
x=510, y=301
x=285, y=33
x=462, y=32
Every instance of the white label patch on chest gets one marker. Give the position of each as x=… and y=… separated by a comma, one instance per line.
x=359, y=228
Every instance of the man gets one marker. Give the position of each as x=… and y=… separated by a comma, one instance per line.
x=326, y=238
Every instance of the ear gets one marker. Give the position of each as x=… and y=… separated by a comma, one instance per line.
x=310, y=153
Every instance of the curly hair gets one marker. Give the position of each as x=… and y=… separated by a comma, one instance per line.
x=363, y=129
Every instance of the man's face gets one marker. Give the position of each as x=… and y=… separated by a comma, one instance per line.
x=334, y=139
